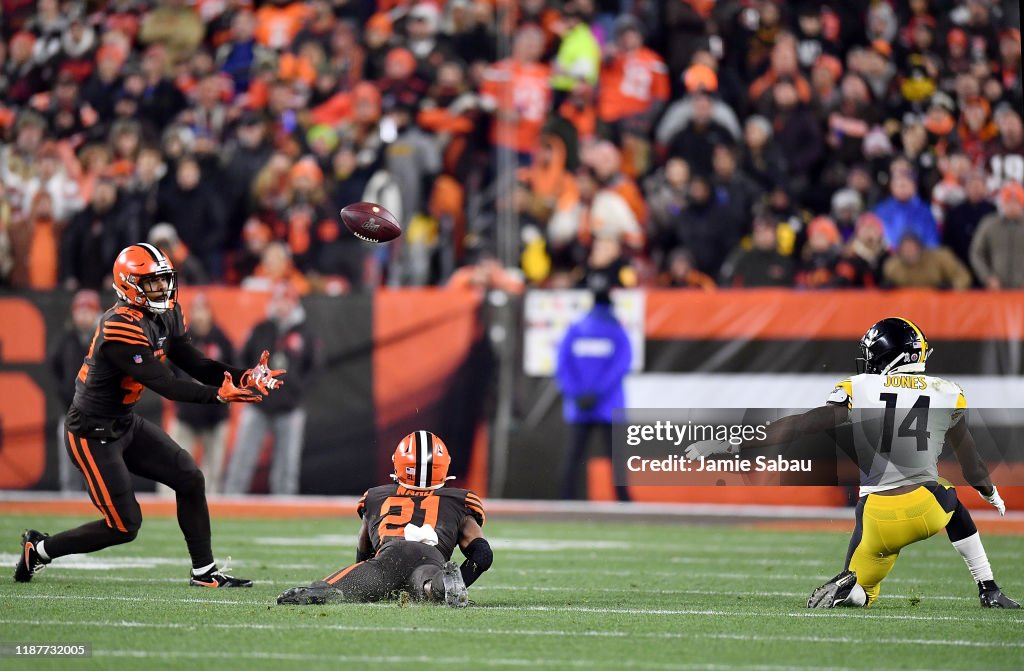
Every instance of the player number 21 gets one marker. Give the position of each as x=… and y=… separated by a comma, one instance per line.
x=394, y=522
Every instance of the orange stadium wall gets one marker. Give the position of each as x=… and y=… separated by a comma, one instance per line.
x=403, y=359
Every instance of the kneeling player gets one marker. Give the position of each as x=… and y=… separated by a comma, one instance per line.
x=410, y=529
x=903, y=500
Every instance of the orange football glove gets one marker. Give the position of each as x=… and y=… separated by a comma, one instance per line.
x=229, y=393
x=262, y=377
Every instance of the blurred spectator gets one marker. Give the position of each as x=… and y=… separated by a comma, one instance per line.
x=963, y=219
x=860, y=264
x=579, y=55
x=594, y=358
x=517, y=92
x=195, y=211
x=65, y=361
x=597, y=212
x=34, y=243
x=173, y=25
x=279, y=21
x=237, y=56
x=703, y=227
x=762, y=265
x=696, y=141
x=699, y=79
x=998, y=245
x=1006, y=152
x=49, y=176
x=94, y=236
x=425, y=40
x=734, y=191
x=665, y=192
x=190, y=271
x=797, y=134
x=680, y=273
x=847, y=206
x=486, y=273
x=634, y=89
x=914, y=265
x=159, y=100
x=904, y=212
x=197, y=424
x=276, y=267
x=607, y=265
x=293, y=346
x=818, y=259
x=762, y=158
x=606, y=160
x=784, y=67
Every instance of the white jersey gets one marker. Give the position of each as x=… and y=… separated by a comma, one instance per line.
x=904, y=428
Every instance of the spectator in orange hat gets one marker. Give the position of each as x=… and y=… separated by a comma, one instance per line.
x=976, y=129
x=377, y=41
x=860, y=265
x=100, y=89
x=402, y=82
x=818, y=259
x=998, y=245
x=702, y=85
x=826, y=74
x=24, y=79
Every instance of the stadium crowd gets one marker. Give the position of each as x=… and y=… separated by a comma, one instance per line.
x=685, y=143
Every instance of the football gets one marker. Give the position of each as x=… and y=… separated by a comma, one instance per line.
x=370, y=222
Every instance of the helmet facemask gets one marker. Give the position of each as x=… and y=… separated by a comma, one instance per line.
x=144, y=286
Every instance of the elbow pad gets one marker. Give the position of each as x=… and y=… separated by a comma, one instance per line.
x=478, y=559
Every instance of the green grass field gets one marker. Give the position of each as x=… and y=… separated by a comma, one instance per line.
x=560, y=596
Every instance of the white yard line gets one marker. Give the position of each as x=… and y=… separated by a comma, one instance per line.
x=837, y=613
x=491, y=631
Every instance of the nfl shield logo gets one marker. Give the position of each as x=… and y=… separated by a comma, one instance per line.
x=137, y=358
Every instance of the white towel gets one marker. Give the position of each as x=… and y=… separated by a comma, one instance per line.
x=423, y=534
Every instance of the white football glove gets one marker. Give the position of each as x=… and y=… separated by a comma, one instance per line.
x=424, y=534
x=995, y=500
x=706, y=448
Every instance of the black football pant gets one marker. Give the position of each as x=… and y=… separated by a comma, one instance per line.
x=576, y=459
x=139, y=447
x=400, y=565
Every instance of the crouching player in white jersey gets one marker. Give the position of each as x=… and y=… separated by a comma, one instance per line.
x=902, y=498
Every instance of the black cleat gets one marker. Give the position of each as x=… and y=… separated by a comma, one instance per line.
x=30, y=562
x=214, y=578
x=316, y=594
x=834, y=592
x=994, y=598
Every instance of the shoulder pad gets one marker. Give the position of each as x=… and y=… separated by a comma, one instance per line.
x=475, y=507
x=842, y=394
x=124, y=325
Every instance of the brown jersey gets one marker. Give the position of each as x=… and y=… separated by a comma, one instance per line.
x=388, y=508
x=128, y=340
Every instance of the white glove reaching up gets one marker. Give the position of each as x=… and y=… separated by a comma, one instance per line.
x=706, y=448
x=424, y=534
x=995, y=500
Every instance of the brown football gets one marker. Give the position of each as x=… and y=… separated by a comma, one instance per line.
x=370, y=222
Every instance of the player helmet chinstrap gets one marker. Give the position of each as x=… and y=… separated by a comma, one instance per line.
x=893, y=345
x=421, y=461
x=135, y=268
